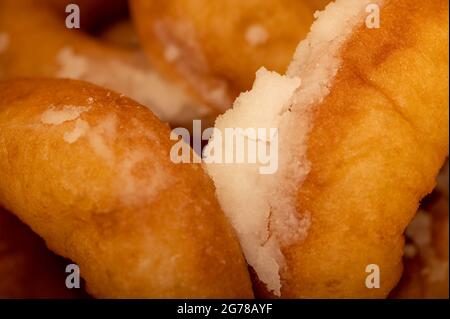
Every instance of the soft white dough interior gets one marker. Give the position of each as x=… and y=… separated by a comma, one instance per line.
x=262, y=208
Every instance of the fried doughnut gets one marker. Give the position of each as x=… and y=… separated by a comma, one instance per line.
x=27, y=268
x=71, y=53
x=215, y=47
x=89, y=170
x=362, y=119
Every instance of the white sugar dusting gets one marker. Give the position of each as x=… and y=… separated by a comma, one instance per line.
x=56, y=116
x=262, y=208
x=80, y=129
x=73, y=66
x=182, y=48
x=217, y=94
x=256, y=35
x=171, y=53
x=102, y=135
x=141, y=130
x=140, y=177
x=262, y=107
x=147, y=87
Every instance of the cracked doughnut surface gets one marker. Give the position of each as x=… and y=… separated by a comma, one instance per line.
x=215, y=47
x=77, y=54
x=361, y=142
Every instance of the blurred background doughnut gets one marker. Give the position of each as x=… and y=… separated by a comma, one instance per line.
x=36, y=43
x=361, y=140
x=215, y=47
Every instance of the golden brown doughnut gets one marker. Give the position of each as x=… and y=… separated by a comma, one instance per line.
x=215, y=47
x=89, y=170
x=362, y=119
x=34, y=42
x=122, y=34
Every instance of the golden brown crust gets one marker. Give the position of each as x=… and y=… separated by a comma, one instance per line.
x=377, y=143
x=217, y=56
x=53, y=50
x=26, y=56
x=94, y=14
x=110, y=199
x=122, y=35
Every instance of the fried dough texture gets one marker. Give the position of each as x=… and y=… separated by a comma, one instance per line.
x=360, y=145
x=89, y=170
x=214, y=47
x=377, y=144
x=35, y=42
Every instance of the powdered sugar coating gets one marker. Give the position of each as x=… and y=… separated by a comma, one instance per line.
x=262, y=208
